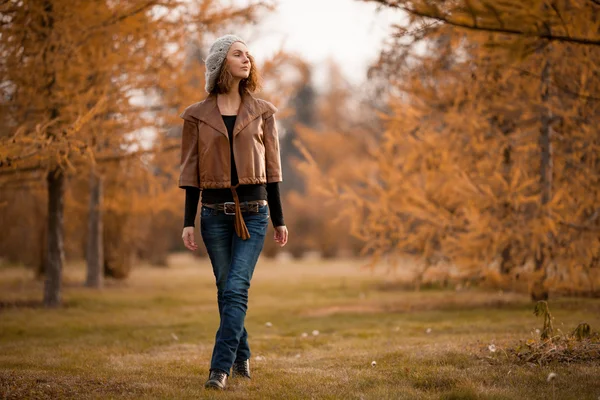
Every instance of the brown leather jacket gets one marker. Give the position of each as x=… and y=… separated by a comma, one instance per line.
x=205, y=152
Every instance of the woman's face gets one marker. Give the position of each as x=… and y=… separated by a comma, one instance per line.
x=238, y=61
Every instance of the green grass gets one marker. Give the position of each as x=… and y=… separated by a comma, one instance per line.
x=152, y=336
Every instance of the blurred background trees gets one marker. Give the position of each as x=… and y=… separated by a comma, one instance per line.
x=85, y=86
x=488, y=168
x=469, y=155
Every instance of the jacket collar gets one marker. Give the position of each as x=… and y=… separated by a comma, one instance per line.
x=208, y=112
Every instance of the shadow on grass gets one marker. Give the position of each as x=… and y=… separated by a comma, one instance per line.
x=20, y=303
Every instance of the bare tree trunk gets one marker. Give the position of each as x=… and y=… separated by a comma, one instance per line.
x=546, y=165
x=56, y=186
x=538, y=291
x=95, y=247
x=40, y=270
x=55, y=253
x=506, y=262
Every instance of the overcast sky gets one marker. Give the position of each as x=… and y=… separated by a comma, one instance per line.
x=349, y=31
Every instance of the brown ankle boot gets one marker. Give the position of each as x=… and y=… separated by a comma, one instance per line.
x=241, y=368
x=216, y=380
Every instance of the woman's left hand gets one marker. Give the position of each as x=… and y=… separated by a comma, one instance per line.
x=281, y=235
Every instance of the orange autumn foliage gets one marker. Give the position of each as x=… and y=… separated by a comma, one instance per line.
x=489, y=161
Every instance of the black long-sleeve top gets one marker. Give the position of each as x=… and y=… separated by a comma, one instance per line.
x=269, y=191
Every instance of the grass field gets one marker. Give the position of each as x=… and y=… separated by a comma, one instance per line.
x=152, y=335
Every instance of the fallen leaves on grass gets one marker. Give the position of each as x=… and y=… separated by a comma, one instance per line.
x=556, y=349
x=580, y=345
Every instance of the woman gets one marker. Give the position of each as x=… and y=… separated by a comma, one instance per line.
x=230, y=150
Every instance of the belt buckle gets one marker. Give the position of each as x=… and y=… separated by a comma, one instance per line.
x=225, y=207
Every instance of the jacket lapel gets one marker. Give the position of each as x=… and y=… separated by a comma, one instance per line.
x=249, y=110
x=246, y=113
x=211, y=115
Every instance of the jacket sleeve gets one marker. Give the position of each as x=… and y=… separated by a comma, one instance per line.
x=272, y=154
x=189, y=155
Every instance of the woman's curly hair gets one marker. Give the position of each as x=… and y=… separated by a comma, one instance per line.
x=225, y=81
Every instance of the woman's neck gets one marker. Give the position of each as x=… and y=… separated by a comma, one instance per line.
x=234, y=91
x=231, y=97
x=230, y=102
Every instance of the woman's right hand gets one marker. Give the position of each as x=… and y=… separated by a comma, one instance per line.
x=188, y=238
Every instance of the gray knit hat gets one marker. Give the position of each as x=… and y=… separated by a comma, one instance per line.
x=216, y=57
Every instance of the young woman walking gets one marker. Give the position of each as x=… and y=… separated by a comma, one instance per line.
x=230, y=150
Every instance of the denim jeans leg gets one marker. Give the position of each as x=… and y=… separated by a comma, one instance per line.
x=217, y=234
x=243, y=350
x=245, y=253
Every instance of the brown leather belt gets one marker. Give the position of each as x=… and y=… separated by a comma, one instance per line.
x=240, y=226
x=228, y=208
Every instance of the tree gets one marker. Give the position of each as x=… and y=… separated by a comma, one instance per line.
x=69, y=73
x=466, y=172
x=562, y=21
x=338, y=140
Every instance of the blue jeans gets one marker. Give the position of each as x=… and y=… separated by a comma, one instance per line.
x=233, y=261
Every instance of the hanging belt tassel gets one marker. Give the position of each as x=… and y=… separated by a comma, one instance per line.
x=240, y=226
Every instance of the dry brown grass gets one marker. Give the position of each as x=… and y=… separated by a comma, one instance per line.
x=152, y=337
